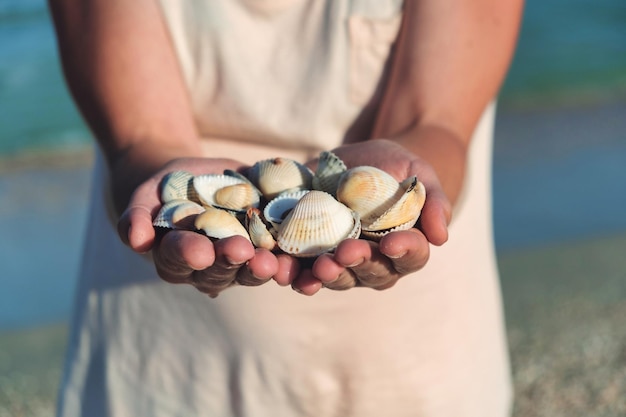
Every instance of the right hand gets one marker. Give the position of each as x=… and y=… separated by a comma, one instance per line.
x=189, y=257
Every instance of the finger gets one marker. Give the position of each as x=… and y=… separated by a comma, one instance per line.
x=306, y=283
x=333, y=275
x=259, y=269
x=346, y=280
x=288, y=270
x=362, y=257
x=407, y=250
x=434, y=223
x=435, y=216
x=180, y=252
x=326, y=269
x=135, y=224
x=136, y=230
x=230, y=255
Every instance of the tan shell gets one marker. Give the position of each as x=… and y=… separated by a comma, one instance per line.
x=316, y=225
x=225, y=191
x=258, y=231
x=178, y=214
x=219, y=224
x=178, y=185
x=277, y=175
x=405, y=212
x=380, y=200
x=237, y=196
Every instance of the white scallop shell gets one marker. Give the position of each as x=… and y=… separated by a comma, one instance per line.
x=258, y=231
x=219, y=224
x=278, y=208
x=316, y=225
x=225, y=191
x=178, y=185
x=329, y=169
x=274, y=176
x=178, y=214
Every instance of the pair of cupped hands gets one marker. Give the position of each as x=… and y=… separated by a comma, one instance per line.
x=212, y=266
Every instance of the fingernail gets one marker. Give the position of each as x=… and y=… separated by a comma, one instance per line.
x=396, y=256
x=355, y=264
x=233, y=262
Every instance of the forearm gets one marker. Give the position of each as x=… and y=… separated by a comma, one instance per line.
x=449, y=63
x=122, y=72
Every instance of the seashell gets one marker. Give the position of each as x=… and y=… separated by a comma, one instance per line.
x=278, y=208
x=369, y=191
x=259, y=234
x=316, y=225
x=219, y=224
x=225, y=191
x=178, y=214
x=403, y=214
x=383, y=204
x=329, y=169
x=274, y=176
x=237, y=196
x=178, y=185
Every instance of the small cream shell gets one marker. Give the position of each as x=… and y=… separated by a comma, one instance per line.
x=237, y=196
x=258, y=231
x=316, y=225
x=178, y=214
x=215, y=190
x=219, y=224
x=274, y=176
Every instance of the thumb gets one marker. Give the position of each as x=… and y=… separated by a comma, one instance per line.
x=135, y=228
x=135, y=224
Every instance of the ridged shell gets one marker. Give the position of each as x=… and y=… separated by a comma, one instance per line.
x=316, y=225
x=369, y=191
x=178, y=214
x=278, y=208
x=329, y=169
x=226, y=191
x=274, y=176
x=405, y=212
x=220, y=224
x=259, y=234
x=178, y=185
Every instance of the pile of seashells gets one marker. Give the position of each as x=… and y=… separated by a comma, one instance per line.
x=281, y=205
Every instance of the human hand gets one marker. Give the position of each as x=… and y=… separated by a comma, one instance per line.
x=182, y=256
x=379, y=265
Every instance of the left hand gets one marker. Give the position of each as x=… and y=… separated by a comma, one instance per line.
x=379, y=265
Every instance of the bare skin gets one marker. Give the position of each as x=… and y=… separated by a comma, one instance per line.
x=449, y=63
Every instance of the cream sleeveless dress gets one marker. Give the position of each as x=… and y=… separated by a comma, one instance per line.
x=289, y=78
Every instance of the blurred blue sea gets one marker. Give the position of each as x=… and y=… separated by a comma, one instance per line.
x=569, y=50
x=572, y=54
